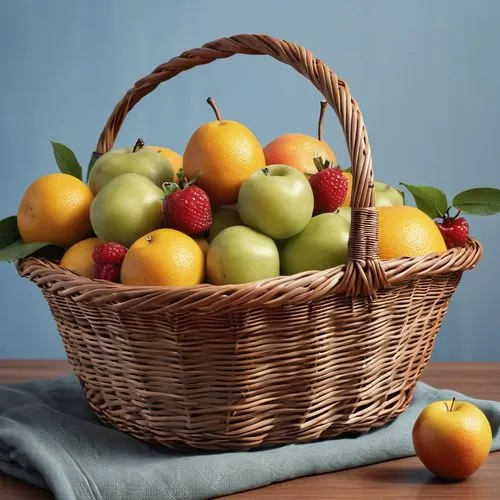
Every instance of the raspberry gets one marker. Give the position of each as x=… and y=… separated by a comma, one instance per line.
x=109, y=253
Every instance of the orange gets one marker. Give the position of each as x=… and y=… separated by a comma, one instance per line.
x=405, y=231
x=55, y=209
x=226, y=153
x=165, y=257
x=78, y=258
x=298, y=151
x=172, y=156
x=347, y=201
x=452, y=438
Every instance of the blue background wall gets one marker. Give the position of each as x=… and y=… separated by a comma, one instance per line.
x=425, y=74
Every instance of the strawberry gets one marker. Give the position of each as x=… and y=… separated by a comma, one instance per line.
x=455, y=231
x=329, y=187
x=186, y=207
x=108, y=258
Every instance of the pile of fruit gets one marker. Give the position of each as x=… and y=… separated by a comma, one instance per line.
x=226, y=212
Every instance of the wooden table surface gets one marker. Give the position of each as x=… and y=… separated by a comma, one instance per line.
x=405, y=478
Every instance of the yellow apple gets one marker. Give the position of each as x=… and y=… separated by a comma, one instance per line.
x=452, y=438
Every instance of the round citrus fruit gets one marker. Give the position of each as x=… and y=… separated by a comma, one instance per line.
x=452, y=438
x=405, y=231
x=78, y=258
x=298, y=151
x=165, y=257
x=174, y=158
x=225, y=152
x=55, y=209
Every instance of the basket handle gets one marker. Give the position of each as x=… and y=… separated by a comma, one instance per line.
x=364, y=273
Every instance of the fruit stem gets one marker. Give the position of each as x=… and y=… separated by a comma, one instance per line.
x=452, y=403
x=322, y=109
x=265, y=171
x=138, y=145
x=215, y=108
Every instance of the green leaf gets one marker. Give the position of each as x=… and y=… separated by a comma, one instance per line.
x=95, y=156
x=8, y=231
x=18, y=250
x=478, y=201
x=429, y=199
x=348, y=169
x=66, y=160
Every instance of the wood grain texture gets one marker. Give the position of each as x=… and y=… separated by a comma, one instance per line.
x=397, y=479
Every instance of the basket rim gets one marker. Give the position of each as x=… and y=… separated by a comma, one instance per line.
x=269, y=293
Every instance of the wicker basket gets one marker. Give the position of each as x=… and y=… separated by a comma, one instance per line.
x=290, y=359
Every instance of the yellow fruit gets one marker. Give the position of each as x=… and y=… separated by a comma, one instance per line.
x=452, y=438
x=174, y=158
x=226, y=152
x=298, y=151
x=78, y=258
x=55, y=209
x=406, y=231
x=165, y=257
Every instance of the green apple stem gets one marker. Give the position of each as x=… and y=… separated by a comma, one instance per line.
x=265, y=171
x=138, y=145
x=215, y=108
x=452, y=403
x=322, y=109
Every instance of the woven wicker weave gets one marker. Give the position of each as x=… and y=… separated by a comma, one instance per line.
x=289, y=359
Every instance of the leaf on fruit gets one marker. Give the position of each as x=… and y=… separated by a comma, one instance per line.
x=478, y=201
x=66, y=160
x=95, y=156
x=429, y=199
x=18, y=250
x=349, y=170
x=8, y=231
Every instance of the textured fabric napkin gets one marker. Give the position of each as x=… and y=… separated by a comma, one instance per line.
x=49, y=437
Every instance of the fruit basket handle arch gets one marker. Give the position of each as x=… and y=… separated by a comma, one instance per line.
x=364, y=273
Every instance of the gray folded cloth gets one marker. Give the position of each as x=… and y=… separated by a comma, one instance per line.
x=49, y=437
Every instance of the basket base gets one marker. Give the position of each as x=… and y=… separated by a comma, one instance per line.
x=256, y=378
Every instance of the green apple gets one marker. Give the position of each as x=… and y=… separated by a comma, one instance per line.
x=345, y=212
x=239, y=254
x=126, y=208
x=387, y=196
x=223, y=217
x=277, y=201
x=149, y=163
x=321, y=245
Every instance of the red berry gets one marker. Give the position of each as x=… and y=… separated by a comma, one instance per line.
x=109, y=253
x=110, y=272
x=455, y=231
x=329, y=187
x=187, y=209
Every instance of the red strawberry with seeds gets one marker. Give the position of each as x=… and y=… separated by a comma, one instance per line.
x=186, y=207
x=329, y=186
x=108, y=258
x=455, y=231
